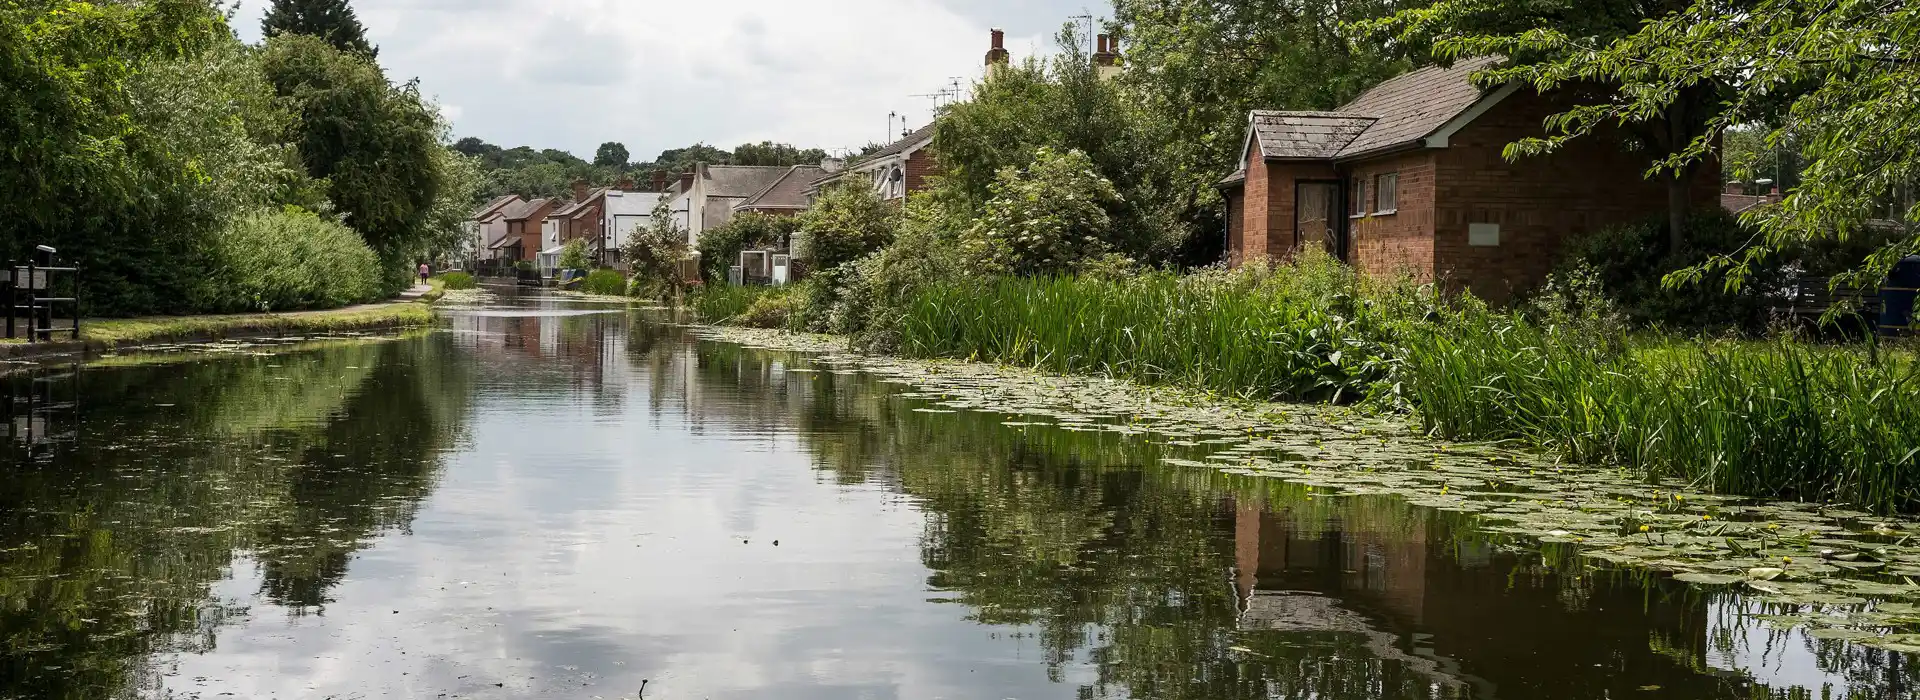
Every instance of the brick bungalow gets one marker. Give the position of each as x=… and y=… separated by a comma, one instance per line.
x=1409, y=179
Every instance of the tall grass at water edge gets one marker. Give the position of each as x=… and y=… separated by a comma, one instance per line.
x=1772, y=419
x=1299, y=332
x=725, y=303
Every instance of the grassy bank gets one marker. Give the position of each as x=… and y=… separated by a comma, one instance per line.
x=1773, y=419
x=119, y=332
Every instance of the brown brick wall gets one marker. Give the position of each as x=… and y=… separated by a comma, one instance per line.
x=921, y=166
x=1283, y=180
x=1539, y=202
x=1401, y=242
x=1253, y=211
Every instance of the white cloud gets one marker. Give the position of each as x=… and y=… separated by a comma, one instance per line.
x=655, y=75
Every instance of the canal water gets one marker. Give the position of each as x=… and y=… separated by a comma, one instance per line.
x=557, y=499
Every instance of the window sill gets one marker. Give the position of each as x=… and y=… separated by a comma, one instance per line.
x=1356, y=216
x=1386, y=212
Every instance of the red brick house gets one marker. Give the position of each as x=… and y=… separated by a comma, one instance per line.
x=1409, y=179
x=522, y=240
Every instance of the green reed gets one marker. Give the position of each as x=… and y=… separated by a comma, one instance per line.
x=716, y=303
x=1294, y=333
x=1773, y=419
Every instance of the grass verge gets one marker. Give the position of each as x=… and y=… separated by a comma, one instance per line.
x=117, y=332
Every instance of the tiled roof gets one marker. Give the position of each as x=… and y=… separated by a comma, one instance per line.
x=1413, y=106
x=918, y=137
x=1395, y=113
x=526, y=210
x=788, y=192
x=741, y=180
x=494, y=206
x=1306, y=134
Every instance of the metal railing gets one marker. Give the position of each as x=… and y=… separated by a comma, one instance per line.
x=30, y=288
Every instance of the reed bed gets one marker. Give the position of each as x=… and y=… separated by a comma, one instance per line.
x=1290, y=333
x=720, y=303
x=1771, y=419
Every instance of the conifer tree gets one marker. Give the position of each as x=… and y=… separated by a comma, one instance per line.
x=332, y=20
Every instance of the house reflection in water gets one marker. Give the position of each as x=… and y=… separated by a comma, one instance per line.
x=1422, y=594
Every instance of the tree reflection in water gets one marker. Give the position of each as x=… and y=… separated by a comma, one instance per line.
x=1176, y=583
x=110, y=543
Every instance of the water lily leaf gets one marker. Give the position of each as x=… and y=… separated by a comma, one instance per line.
x=1709, y=579
x=1764, y=573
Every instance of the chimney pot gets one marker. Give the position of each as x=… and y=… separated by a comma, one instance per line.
x=997, y=56
x=999, y=39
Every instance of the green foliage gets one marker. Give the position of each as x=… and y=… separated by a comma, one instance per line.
x=1295, y=331
x=376, y=144
x=573, y=256
x=770, y=153
x=720, y=303
x=605, y=282
x=1775, y=420
x=611, y=154
x=720, y=246
x=1048, y=218
x=456, y=281
x=657, y=253
x=288, y=260
x=843, y=225
x=444, y=234
x=1631, y=263
x=875, y=292
x=1062, y=104
x=331, y=20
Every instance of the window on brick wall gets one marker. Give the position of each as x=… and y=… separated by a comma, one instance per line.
x=1386, y=193
x=1356, y=197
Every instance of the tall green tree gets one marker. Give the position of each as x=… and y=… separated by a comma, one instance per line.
x=331, y=20
x=770, y=153
x=611, y=154
x=376, y=144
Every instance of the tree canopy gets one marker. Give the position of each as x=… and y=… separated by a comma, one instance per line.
x=331, y=20
x=611, y=154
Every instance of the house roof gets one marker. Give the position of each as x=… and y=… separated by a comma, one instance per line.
x=741, y=180
x=906, y=143
x=788, y=192
x=1737, y=203
x=494, y=207
x=527, y=210
x=1396, y=113
x=1415, y=105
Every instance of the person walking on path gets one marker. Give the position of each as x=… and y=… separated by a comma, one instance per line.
x=424, y=272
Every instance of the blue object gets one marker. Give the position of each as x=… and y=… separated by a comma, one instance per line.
x=1896, y=298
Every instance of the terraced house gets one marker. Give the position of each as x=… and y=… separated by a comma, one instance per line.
x=1409, y=178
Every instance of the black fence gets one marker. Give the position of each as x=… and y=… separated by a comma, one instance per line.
x=43, y=298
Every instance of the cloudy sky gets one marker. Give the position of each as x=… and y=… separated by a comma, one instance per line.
x=658, y=74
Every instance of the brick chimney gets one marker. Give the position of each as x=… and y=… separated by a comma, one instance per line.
x=998, y=56
x=624, y=185
x=1735, y=187
x=1106, y=60
x=579, y=190
x=686, y=180
x=659, y=180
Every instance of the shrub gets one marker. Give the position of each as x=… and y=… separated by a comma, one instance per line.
x=1631, y=263
x=656, y=254
x=606, y=282
x=769, y=310
x=847, y=223
x=455, y=281
x=288, y=260
x=573, y=256
x=720, y=246
x=1050, y=218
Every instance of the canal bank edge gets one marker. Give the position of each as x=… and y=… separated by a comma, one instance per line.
x=101, y=336
x=1845, y=574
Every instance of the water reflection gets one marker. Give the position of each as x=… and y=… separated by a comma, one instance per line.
x=545, y=500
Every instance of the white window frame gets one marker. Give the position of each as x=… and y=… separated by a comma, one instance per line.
x=1388, y=183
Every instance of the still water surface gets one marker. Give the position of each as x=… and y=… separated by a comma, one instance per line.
x=553, y=500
